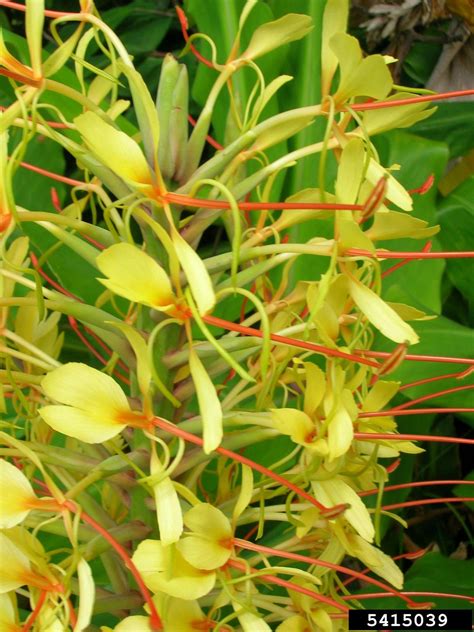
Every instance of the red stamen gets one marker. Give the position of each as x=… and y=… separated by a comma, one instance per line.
x=391, y=488
x=437, y=377
x=51, y=281
x=432, y=395
x=48, y=13
x=426, y=248
x=288, y=585
x=416, y=411
x=368, y=436
x=52, y=175
x=155, y=621
x=55, y=200
x=183, y=21
x=185, y=200
x=209, y=139
x=427, y=501
x=408, y=593
x=416, y=357
x=72, y=613
x=302, y=344
x=392, y=467
x=250, y=546
x=426, y=98
x=374, y=200
x=391, y=254
x=187, y=436
x=425, y=187
x=34, y=615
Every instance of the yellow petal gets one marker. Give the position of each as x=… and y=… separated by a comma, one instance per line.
x=165, y=570
x=340, y=432
x=8, y=612
x=383, y=317
x=394, y=225
x=377, y=561
x=86, y=596
x=249, y=621
x=168, y=508
x=15, y=493
x=267, y=37
x=315, y=388
x=295, y=423
x=205, y=519
x=133, y=274
x=114, y=149
x=350, y=171
x=334, y=492
x=209, y=404
x=196, y=273
x=15, y=565
x=334, y=21
x=137, y=623
x=379, y=395
x=201, y=553
x=296, y=623
x=395, y=192
x=81, y=386
x=80, y=424
x=184, y=616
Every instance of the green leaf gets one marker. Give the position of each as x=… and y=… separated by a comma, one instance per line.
x=419, y=158
x=456, y=217
x=448, y=125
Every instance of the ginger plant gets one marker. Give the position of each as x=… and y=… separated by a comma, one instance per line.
x=136, y=459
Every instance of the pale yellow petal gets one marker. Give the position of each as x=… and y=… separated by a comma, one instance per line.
x=136, y=623
x=315, y=388
x=340, y=432
x=209, y=404
x=15, y=493
x=184, y=616
x=295, y=423
x=86, y=596
x=334, y=492
x=249, y=621
x=196, y=273
x=115, y=149
x=164, y=569
x=80, y=424
x=84, y=387
x=377, y=561
x=133, y=274
x=296, y=623
x=379, y=395
x=383, y=317
x=207, y=520
x=15, y=565
x=203, y=553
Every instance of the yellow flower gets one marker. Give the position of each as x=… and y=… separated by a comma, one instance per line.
x=15, y=496
x=92, y=406
x=209, y=544
x=165, y=570
x=16, y=567
x=133, y=274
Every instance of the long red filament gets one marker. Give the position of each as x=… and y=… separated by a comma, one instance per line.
x=251, y=546
x=391, y=254
x=210, y=140
x=447, y=391
x=52, y=175
x=183, y=21
x=302, y=344
x=391, y=488
x=410, y=593
x=47, y=12
x=425, y=98
x=35, y=614
x=428, y=501
x=155, y=621
x=288, y=585
x=191, y=438
x=417, y=411
x=446, y=376
x=400, y=264
x=368, y=436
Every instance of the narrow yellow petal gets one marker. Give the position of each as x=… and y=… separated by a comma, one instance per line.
x=86, y=596
x=249, y=621
x=340, y=432
x=168, y=508
x=196, y=273
x=114, y=149
x=209, y=404
x=383, y=317
x=133, y=274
